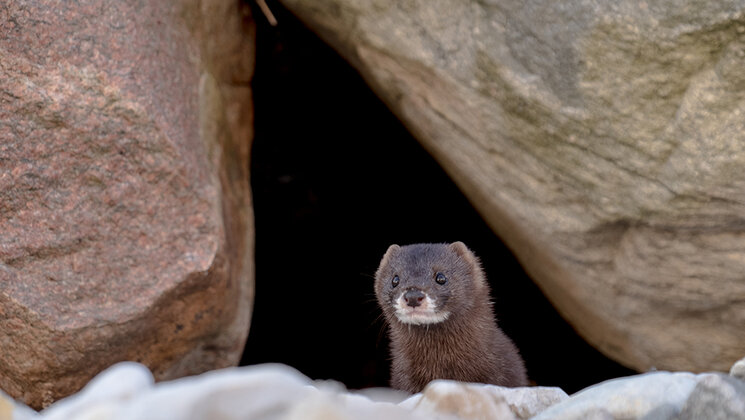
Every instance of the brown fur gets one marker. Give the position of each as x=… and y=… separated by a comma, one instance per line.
x=468, y=346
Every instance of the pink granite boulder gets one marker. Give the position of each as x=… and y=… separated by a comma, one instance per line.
x=126, y=230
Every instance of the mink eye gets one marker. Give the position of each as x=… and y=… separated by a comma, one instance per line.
x=395, y=281
x=440, y=278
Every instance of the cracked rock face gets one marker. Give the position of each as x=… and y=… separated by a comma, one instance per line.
x=604, y=141
x=124, y=198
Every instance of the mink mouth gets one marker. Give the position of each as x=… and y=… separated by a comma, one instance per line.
x=426, y=313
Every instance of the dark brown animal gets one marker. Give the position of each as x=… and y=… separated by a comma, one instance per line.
x=436, y=302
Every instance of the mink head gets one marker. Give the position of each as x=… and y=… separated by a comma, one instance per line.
x=429, y=283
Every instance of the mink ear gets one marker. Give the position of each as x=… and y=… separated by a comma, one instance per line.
x=392, y=250
x=473, y=261
x=462, y=250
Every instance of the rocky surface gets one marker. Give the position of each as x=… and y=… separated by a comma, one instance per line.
x=124, y=195
x=738, y=370
x=603, y=141
x=716, y=397
x=258, y=392
x=658, y=395
x=127, y=391
x=478, y=401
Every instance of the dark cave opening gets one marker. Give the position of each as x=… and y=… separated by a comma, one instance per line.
x=336, y=178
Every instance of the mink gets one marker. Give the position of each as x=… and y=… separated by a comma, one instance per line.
x=437, y=306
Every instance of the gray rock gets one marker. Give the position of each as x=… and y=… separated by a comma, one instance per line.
x=598, y=414
x=389, y=395
x=526, y=402
x=102, y=395
x=265, y=392
x=602, y=140
x=462, y=401
x=738, y=370
x=716, y=397
x=278, y=392
x=322, y=404
x=658, y=395
x=257, y=392
x=471, y=400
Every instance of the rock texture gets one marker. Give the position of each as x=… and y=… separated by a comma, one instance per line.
x=449, y=398
x=738, y=370
x=658, y=395
x=278, y=392
x=603, y=141
x=257, y=392
x=716, y=397
x=124, y=198
x=126, y=391
x=479, y=401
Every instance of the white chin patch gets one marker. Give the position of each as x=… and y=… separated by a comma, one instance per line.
x=420, y=315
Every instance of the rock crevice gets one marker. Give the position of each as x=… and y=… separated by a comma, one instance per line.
x=600, y=140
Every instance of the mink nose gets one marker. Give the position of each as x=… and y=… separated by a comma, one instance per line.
x=414, y=298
